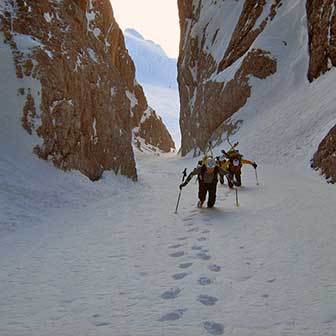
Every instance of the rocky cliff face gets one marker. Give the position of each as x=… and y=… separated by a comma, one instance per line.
x=88, y=101
x=321, y=16
x=209, y=47
x=240, y=56
x=325, y=157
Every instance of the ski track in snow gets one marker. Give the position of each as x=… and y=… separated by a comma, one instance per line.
x=125, y=265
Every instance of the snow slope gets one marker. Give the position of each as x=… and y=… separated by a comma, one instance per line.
x=153, y=66
x=127, y=265
x=157, y=74
x=286, y=117
x=167, y=102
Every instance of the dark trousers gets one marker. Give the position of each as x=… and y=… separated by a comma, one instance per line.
x=210, y=188
x=234, y=179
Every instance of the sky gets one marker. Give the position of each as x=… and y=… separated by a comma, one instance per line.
x=156, y=20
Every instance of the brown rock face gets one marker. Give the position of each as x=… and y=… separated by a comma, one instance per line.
x=325, y=158
x=207, y=102
x=150, y=130
x=147, y=125
x=247, y=30
x=89, y=99
x=321, y=17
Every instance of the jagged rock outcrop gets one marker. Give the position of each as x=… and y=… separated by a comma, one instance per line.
x=209, y=95
x=321, y=18
x=325, y=158
x=88, y=101
x=148, y=127
x=150, y=130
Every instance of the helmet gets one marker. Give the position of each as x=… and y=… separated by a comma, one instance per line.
x=211, y=163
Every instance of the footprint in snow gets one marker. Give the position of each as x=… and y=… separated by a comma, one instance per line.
x=177, y=254
x=204, y=281
x=203, y=256
x=171, y=294
x=101, y=324
x=185, y=265
x=213, y=328
x=205, y=231
x=196, y=229
x=98, y=323
x=271, y=280
x=202, y=239
x=207, y=300
x=175, y=246
x=179, y=276
x=196, y=248
x=214, y=268
x=173, y=316
x=182, y=238
x=244, y=278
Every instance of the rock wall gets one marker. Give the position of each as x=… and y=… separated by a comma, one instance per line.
x=325, y=158
x=227, y=45
x=89, y=101
x=321, y=17
x=209, y=47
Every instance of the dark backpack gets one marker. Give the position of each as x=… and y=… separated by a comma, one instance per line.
x=202, y=173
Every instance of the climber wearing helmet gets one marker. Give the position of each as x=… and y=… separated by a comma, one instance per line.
x=234, y=165
x=224, y=164
x=207, y=179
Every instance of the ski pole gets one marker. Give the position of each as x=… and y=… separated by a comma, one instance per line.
x=237, y=200
x=179, y=196
x=256, y=174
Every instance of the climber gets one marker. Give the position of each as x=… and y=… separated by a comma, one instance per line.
x=223, y=163
x=207, y=179
x=234, y=164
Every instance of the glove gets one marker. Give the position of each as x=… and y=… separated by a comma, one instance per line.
x=255, y=165
x=181, y=186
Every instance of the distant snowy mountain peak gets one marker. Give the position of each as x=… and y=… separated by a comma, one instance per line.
x=151, y=45
x=153, y=66
x=134, y=33
x=157, y=73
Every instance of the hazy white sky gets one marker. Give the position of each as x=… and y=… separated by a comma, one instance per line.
x=156, y=20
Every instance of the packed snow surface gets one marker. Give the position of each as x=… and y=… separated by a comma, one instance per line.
x=97, y=259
